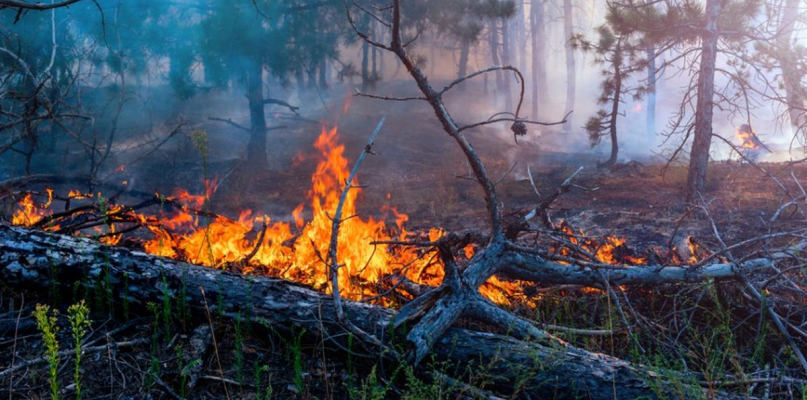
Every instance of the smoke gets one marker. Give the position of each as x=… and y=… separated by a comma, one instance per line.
x=168, y=65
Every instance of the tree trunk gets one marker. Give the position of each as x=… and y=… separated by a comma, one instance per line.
x=651, y=93
x=538, y=35
x=256, y=150
x=614, y=116
x=42, y=262
x=299, y=77
x=323, y=73
x=494, y=52
x=571, y=68
x=465, y=48
x=789, y=64
x=365, y=68
x=312, y=70
x=507, y=59
x=375, y=55
x=699, y=155
x=520, y=37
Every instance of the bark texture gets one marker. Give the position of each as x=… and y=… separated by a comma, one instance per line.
x=571, y=67
x=540, y=91
x=699, y=155
x=788, y=61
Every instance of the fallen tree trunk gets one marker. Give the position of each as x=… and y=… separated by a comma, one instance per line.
x=36, y=261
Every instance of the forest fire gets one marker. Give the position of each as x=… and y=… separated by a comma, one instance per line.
x=256, y=244
x=295, y=253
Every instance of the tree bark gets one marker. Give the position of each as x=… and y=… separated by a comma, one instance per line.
x=507, y=59
x=256, y=149
x=788, y=62
x=520, y=37
x=494, y=52
x=571, y=68
x=323, y=73
x=365, y=66
x=38, y=261
x=651, y=94
x=614, y=116
x=538, y=36
x=699, y=155
x=465, y=49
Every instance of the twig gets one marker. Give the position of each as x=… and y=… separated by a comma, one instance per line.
x=230, y=122
x=532, y=182
x=215, y=344
x=333, y=260
x=84, y=350
x=543, y=206
x=257, y=245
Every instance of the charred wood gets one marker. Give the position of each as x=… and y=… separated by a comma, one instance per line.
x=29, y=260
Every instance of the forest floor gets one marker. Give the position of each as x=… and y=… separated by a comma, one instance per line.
x=418, y=170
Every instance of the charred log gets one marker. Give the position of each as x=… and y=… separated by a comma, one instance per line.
x=31, y=261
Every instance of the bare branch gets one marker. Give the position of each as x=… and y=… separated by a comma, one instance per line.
x=35, y=6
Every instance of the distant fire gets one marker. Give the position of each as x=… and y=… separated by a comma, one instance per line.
x=748, y=139
x=254, y=243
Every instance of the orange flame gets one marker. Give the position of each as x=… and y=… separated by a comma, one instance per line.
x=29, y=213
x=299, y=252
x=747, y=139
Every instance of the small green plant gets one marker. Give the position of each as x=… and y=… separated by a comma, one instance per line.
x=266, y=393
x=294, y=348
x=47, y=325
x=420, y=390
x=370, y=389
x=78, y=314
x=185, y=370
x=297, y=360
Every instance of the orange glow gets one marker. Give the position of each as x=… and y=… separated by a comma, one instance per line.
x=747, y=139
x=607, y=250
x=29, y=213
x=298, y=250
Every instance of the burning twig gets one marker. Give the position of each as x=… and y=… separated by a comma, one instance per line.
x=333, y=260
